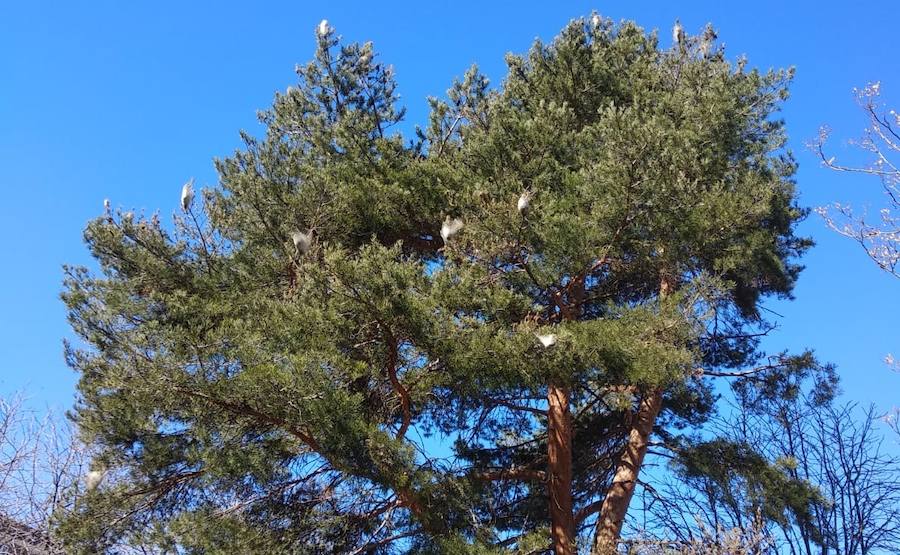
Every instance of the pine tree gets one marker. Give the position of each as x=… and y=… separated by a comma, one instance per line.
x=358, y=343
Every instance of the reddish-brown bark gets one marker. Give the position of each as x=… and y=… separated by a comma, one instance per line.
x=559, y=470
x=618, y=497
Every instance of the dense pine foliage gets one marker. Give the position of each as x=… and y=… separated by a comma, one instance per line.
x=384, y=390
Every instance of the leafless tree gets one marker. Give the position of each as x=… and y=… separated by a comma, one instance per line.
x=861, y=481
x=881, y=141
x=45, y=470
x=880, y=237
x=836, y=449
x=40, y=462
x=733, y=541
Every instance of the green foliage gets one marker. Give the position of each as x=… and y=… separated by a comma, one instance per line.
x=253, y=399
x=740, y=478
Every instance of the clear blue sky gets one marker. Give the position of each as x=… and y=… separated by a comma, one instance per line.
x=127, y=100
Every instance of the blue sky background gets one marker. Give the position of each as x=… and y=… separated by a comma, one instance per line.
x=128, y=100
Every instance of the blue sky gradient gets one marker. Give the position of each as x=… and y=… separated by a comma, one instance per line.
x=128, y=100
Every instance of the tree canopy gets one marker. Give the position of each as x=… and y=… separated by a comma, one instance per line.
x=306, y=362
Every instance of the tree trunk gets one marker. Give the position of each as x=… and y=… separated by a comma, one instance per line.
x=559, y=470
x=618, y=498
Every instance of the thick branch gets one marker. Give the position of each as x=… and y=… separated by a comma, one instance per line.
x=398, y=387
x=246, y=410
